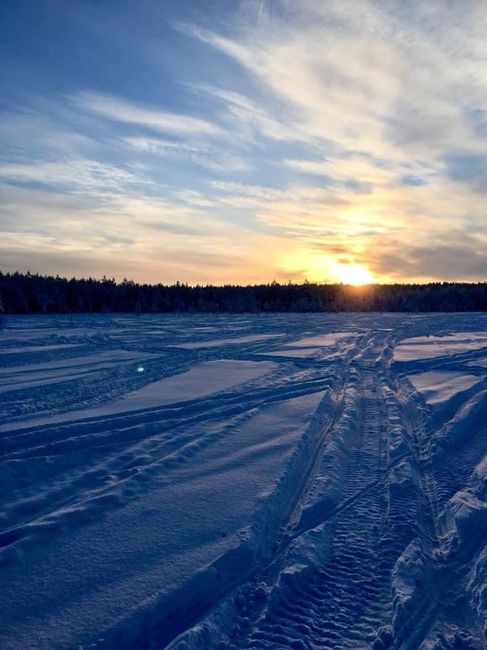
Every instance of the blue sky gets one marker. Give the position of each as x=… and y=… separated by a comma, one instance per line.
x=244, y=141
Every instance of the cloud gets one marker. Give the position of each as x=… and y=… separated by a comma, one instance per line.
x=148, y=238
x=411, y=179
x=369, y=76
x=30, y=130
x=253, y=120
x=351, y=169
x=306, y=134
x=210, y=157
x=391, y=112
x=456, y=256
x=120, y=110
x=73, y=174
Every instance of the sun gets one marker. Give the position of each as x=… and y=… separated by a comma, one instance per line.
x=356, y=274
x=319, y=267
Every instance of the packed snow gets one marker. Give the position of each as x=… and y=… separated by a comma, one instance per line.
x=199, y=381
x=426, y=347
x=291, y=352
x=325, y=340
x=261, y=481
x=439, y=386
x=217, y=342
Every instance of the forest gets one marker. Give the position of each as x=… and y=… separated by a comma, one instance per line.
x=27, y=293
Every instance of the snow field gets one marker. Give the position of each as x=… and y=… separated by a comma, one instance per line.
x=280, y=481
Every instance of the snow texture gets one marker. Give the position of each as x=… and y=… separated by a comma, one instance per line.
x=438, y=387
x=261, y=482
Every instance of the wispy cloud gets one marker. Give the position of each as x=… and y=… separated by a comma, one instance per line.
x=120, y=110
x=395, y=108
x=205, y=154
x=290, y=137
x=155, y=238
x=253, y=121
x=74, y=174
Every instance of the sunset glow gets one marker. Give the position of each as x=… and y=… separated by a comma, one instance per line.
x=247, y=142
x=355, y=274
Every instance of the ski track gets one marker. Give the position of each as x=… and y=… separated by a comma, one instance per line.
x=321, y=503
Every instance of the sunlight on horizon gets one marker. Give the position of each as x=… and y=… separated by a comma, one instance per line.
x=356, y=274
x=308, y=264
x=276, y=143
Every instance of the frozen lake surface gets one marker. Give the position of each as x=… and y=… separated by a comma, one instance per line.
x=264, y=482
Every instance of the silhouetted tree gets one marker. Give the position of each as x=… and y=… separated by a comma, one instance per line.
x=22, y=293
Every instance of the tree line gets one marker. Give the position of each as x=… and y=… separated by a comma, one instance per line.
x=27, y=293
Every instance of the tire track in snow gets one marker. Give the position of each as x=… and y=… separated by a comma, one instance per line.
x=345, y=600
x=441, y=475
x=320, y=608
x=341, y=603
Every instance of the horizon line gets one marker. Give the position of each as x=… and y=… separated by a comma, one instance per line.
x=302, y=283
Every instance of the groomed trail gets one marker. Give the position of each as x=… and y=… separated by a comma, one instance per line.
x=309, y=482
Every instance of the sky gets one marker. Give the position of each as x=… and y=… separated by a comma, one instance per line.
x=244, y=142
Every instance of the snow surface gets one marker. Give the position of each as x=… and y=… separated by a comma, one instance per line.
x=426, y=347
x=210, y=481
x=25, y=376
x=290, y=352
x=217, y=342
x=36, y=348
x=199, y=381
x=439, y=386
x=478, y=362
x=325, y=340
